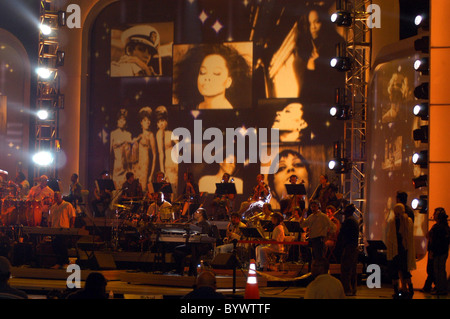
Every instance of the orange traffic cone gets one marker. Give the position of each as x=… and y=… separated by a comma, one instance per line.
x=251, y=289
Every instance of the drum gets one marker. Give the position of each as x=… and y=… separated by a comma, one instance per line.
x=33, y=213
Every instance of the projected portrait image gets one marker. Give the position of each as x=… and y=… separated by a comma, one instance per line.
x=142, y=50
x=213, y=76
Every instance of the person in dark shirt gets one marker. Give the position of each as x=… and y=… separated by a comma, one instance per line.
x=6, y=291
x=205, y=287
x=402, y=198
x=347, y=245
x=95, y=288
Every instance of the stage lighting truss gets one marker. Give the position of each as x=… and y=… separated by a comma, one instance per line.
x=421, y=181
x=421, y=158
x=49, y=98
x=420, y=204
x=421, y=134
x=421, y=110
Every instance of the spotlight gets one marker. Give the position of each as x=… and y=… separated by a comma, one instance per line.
x=43, y=158
x=422, y=44
x=340, y=112
x=339, y=165
x=421, y=91
x=420, y=204
x=342, y=18
x=421, y=158
x=42, y=114
x=421, y=134
x=342, y=64
x=421, y=110
x=44, y=73
x=422, y=65
x=422, y=21
x=420, y=181
x=45, y=29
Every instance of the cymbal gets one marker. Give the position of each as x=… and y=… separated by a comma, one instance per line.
x=121, y=206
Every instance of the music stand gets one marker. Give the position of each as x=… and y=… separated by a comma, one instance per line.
x=105, y=184
x=293, y=227
x=225, y=188
x=53, y=184
x=251, y=232
x=267, y=225
x=164, y=188
x=295, y=189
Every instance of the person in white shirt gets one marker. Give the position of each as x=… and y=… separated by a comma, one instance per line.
x=319, y=225
x=324, y=286
x=156, y=211
x=278, y=235
x=62, y=215
x=233, y=233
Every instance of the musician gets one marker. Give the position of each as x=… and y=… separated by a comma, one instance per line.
x=296, y=215
x=42, y=193
x=161, y=179
x=278, y=235
x=23, y=187
x=191, y=195
x=319, y=226
x=260, y=195
x=224, y=201
x=195, y=249
x=62, y=215
x=325, y=192
x=102, y=197
x=131, y=189
x=154, y=209
x=233, y=232
x=289, y=202
x=74, y=191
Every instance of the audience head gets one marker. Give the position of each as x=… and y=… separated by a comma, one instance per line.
x=5, y=269
x=319, y=266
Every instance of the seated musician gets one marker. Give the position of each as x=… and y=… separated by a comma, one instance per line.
x=161, y=179
x=42, y=193
x=223, y=203
x=154, y=210
x=260, y=195
x=278, y=235
x=62, y=215
x=131, y=189
x=74, y=196
x=233, y=232
x=102, y=197
x=196, y=250
x=289, y=201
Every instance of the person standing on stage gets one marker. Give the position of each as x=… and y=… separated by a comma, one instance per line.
x=325, y=193
x=319, y=226
x=75, y=191
x=42, y=193
x=23, y=187
x=62, y=215
x=191, y=195
x=103, y=197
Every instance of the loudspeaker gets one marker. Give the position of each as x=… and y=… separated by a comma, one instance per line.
x=97, y=260
x=224, y=261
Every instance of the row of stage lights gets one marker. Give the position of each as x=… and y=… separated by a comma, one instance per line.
x=51, y=58
x=343, y=111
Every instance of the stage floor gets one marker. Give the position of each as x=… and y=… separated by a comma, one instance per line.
x=130, y=284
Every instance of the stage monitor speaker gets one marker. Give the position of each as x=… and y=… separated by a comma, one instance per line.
x=224, y=261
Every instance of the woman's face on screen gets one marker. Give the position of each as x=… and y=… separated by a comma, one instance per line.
x=213, y=77
x=289, y=165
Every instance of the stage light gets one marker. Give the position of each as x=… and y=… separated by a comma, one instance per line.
x=421, y=158
x=341, y=112
x=42, y=114
x=339, y=165
x=43, y=158
x=44, y=73
x=342, y=64
x=61, y=18
x=421, y=110
x=422, y=65
x=45, y=29
x=422, y=44
x=60, y=55
x=420, y=204
x=421, y=91
x=422, y=21
x=421, y=134
x=420, y=181
x=342, y=18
